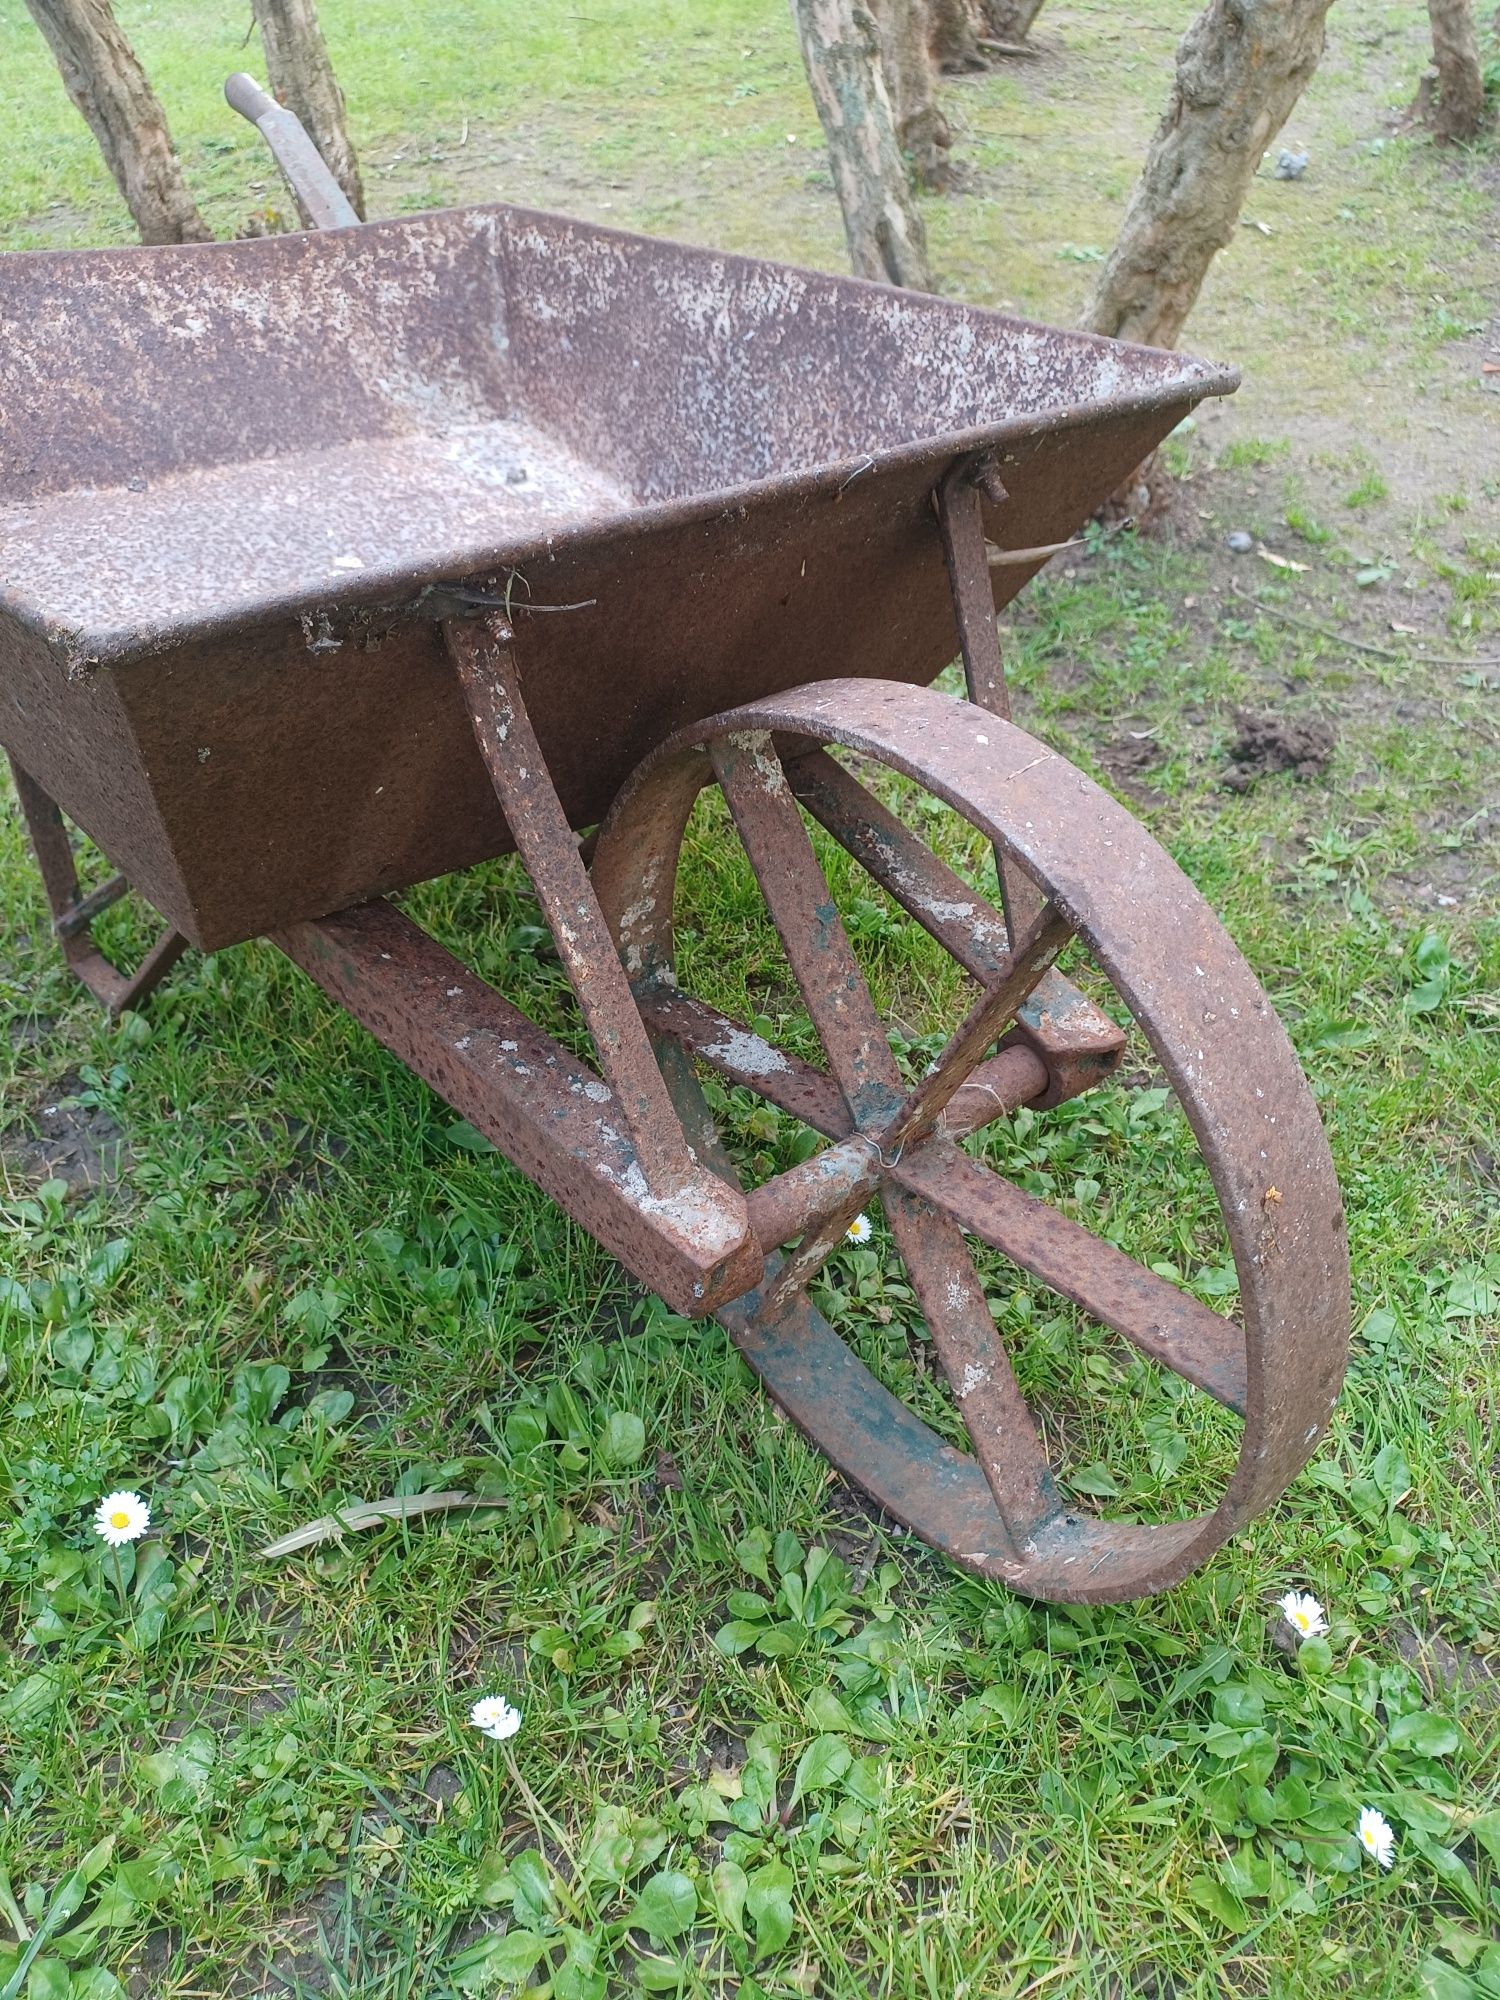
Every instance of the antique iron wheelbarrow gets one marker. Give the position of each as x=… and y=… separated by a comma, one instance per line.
x=333, y=562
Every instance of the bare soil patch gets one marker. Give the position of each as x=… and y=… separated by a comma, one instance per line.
x=1266, y=744
x=65, y=1139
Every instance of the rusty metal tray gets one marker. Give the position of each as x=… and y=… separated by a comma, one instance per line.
x=240, y=484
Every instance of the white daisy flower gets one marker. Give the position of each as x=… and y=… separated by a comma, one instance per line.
x=1375, y=1836
x=860, y=1230
x=121, y=1517
x=493, y=1716
x=1303, y=1613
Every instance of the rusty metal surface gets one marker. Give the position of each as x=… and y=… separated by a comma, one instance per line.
x=1079, y=1044
x=221, y=428
x=240, y=485
x=607, y=1146
x=864, y=1069
x=780, y=1208
x=555, y=1119
x=1014, y=1077
x=992, y=1013
x=1214, y=1034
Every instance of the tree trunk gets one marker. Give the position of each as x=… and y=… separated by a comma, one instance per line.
x=301, y=77
x=105, y=80
x=1241, y=67
x=841, y=48
x=1009, y=20
x=1456, y=109
x=911, y=83
x=953, y=35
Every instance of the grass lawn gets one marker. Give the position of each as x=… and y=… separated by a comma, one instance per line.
x=253, y=1269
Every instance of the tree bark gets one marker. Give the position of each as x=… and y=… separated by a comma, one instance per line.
x=1241, y=67
x=953, y=35
x=1456, y=108
x=841, y=49
x=105, y=80
x=911, y=84
x=1009, y=20
x=301, y=77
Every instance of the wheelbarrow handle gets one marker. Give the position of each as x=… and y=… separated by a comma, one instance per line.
x=320, y=200
x=246, y=96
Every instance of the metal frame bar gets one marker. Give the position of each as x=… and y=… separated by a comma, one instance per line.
x=73, y=913
x=483, y=651
x=550, y=1116
x=959, y=499
x=321, y=202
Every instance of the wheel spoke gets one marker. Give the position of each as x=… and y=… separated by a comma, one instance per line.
x=807, y=1094
x=958, y=917
x=1169, y=1325
x=832, y=986
x=978, y=1369
x=1081, y=1045
x=996, y=1088
x=988, y=1017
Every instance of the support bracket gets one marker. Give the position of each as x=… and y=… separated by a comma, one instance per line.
x=73, y=912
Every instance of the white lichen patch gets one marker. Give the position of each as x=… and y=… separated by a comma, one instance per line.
x=739, y=1050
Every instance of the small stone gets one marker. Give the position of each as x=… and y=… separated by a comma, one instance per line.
x=1239, y=541
x=1290, y=166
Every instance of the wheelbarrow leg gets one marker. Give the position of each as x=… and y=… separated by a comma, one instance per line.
x=73, y=913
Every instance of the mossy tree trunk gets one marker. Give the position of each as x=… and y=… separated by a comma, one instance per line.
x=1241, y=67
x=301, y=77
x=911, y=83
x=1452, y=102
x=104, y=78
x=841, y=49
x=954, y=28
x=1009, y=20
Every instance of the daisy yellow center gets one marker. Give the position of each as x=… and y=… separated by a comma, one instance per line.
x=1370, y=1837
x=1301, y=1620
x=119, y=1518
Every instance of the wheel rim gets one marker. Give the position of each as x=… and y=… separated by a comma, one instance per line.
x=1104, y=880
